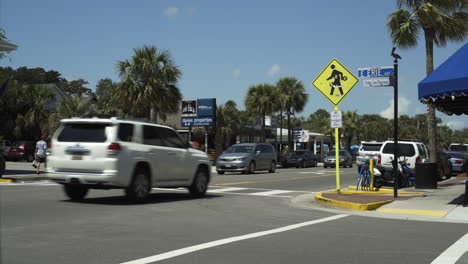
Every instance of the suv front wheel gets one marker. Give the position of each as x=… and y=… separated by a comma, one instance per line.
x=75, y=192
x=140, y=188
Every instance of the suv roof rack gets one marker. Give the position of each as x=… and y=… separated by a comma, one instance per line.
x=407, y=139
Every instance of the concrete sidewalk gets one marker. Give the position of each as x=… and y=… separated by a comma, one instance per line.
x=443, y=203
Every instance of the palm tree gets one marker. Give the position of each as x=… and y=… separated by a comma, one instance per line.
x=260, y=101
x=295, y=99
x=440, y=21
x=227, y=123
x=149, y=81
x=350, y=127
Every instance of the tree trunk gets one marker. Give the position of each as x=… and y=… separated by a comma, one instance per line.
x=290, y=147
x=281, y=132
x=263, y=129
x=431, y=114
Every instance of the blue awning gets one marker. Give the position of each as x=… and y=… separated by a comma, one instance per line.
x=447, y=86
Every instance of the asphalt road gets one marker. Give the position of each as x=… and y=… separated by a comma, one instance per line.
x=243, y=219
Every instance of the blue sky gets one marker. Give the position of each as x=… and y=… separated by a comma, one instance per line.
x=223, y=47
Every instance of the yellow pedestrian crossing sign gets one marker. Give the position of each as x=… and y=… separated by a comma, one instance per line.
x=335, y=81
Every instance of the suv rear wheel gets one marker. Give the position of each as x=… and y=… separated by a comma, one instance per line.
x=199, y=184
x=75, y=192
x=140, y=188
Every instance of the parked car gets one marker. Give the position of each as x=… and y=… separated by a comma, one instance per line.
x=459, y=162
x=444, y=165
x=300, y=158
x=22, y=150
x=345, y=159
x=367, y=151
x=109, y=153
x=413, y=151
x=458, y=147
x=5, y=146
x=2, y=165
x=247, y=158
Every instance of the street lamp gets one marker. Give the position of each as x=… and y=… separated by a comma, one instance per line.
x=394, y=82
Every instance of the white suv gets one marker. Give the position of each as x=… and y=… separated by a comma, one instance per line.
x=413, y=152
x=108, y=153
x=368, y=150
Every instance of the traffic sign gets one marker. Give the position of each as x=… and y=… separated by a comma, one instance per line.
x=377, y=82
x=336, y=123
x=335, y=81
x=336, y=115
x=375, y=71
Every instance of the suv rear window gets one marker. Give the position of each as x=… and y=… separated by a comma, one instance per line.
x=371, y=147
x=404, y=150
x=83, y=133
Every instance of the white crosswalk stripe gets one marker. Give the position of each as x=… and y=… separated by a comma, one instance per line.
x=212, y=190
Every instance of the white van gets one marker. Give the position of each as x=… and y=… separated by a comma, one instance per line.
x=413, y=152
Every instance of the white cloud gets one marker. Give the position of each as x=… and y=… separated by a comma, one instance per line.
x=171, y=11
x=456, y=125
x=236, y=73
x=192, y=11
x=274, y=70
x=403, y=106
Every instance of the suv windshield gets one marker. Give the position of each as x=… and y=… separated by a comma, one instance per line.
x=83, y=133
x=404, y=150
x=240, y=149
x=371, y=147
x=458, y=148
x=332, y=153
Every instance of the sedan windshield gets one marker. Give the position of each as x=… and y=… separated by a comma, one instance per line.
x=240, y=149
x=332, y=153
x=456, y=155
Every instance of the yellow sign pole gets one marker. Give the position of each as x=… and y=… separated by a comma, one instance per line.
x=337, y=157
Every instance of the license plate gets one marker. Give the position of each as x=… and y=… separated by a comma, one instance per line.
x=228, y=166
x=76, y=157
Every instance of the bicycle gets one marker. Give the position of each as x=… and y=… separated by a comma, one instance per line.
x=364, y=178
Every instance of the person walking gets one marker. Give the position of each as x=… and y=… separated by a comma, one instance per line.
x=40, y=153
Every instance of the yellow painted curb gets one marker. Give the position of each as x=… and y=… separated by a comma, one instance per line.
x=411, y=211
x=6, y=180
x=348, y=205
x=352, y=189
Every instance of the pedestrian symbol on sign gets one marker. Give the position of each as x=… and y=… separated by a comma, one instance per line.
x=338, y=76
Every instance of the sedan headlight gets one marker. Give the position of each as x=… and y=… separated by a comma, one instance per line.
x=241, y=159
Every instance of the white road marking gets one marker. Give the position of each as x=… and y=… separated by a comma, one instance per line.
x=311, y=172
x=268, y=193
x=183, y=251
x=231, y=189
x=454, y=252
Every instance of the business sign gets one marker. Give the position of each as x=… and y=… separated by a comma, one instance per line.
x=206, y=107
x=189, y=107
x=335, y=81
x=304, y=137
x=296, y=133
x=377, y=82
x=197, y=121
x=375, y=71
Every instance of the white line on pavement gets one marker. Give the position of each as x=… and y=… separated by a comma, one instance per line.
x=182, y=251
x=268, y=193
x=311, y=172
x=454, y=252
x=231, y=189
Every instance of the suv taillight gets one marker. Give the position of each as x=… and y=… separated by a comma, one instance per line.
x=379, y=159
x=458, y=162
x=418, y=159
x=114, y=149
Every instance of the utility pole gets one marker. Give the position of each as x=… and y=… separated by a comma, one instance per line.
x=395, y=122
